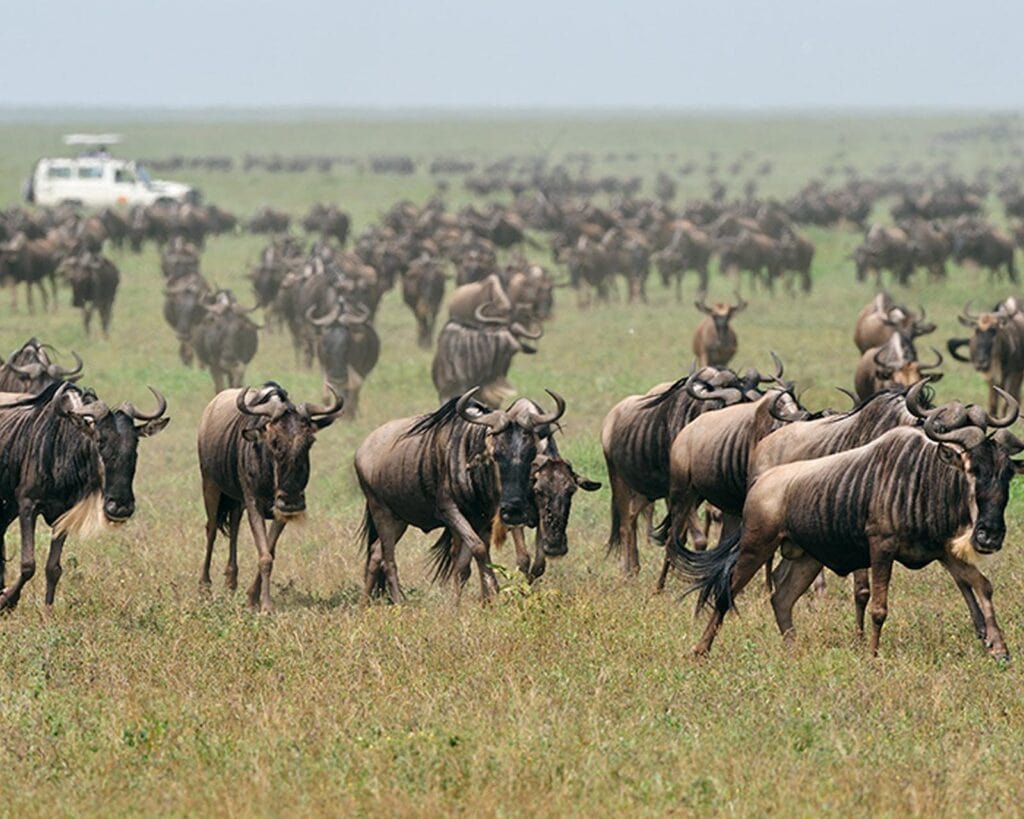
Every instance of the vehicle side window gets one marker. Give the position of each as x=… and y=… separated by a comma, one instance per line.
x=124, y=177
x=90, y=172
x=58, y=172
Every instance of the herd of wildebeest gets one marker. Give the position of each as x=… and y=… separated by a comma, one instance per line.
x=892, y=479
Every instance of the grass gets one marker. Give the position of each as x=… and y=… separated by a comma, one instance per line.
x=134, y=695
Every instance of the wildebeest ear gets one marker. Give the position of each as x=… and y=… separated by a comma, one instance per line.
x=151, y=428
x=950, y=456
x=586, y=484
x=251, y=434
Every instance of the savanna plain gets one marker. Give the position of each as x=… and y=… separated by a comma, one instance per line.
x=575, y=696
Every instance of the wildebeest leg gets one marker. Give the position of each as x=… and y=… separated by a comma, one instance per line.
x=105, y=311
x=881, y=573
x=211, y=500
x=791, y=579
x=626, y=505
x=87, y=319
x=381, y=569
x=231, y=568
x=218, y=379
x=540, y=560
x=754, y=552
x=861, y=596
x=972, y=582
x=1012, y=385
x=27, y=520
x=483, y=565
x=259, y=592
x=276, y=527
x=53, y=567
x=473, y=546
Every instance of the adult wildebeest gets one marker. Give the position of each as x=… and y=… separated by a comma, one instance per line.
x=348, y=348
x=996, y=348
x=714, y=340
x=912, y=495
x=984, y=244
x=689, y=248
x=68, y=457
x=29, y=369
x=184, y=310
x=226, y=340
x=254, y=456
x=457, y=467
x=893, y=364
x=881, y=317
x=94, y=280
x=636, y=436
x=422, y=291
x=467, y=357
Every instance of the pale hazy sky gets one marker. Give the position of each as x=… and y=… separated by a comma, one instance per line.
x=531, y=53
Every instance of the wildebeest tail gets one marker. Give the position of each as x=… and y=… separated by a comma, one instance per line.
x=659, y=534
x=225, y=506
x=614, y=545
x=367, y=536
x=441, y=558
x=710, y=571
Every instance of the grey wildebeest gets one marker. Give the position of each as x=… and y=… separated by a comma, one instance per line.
x=422, y=291
x=714, y=340
x=254, y=456
x=996, y=347
x=29, y=369
x=636, y=436
x=93, y=279
x=226, y=340
x=458, y=467
x=69, y=458
x=912, y=495
x=348, y=348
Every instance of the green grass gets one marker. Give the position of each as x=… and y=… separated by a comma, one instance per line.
x=579, y=696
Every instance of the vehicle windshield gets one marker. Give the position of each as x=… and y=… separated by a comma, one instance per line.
x=143, y=174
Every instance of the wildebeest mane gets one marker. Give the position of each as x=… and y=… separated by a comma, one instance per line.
x=666, y=395
x=442, y=416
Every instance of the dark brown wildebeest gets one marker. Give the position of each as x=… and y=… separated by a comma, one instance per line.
x=184, y=310
x=423, y=291
x=458, y=467
x=268, y=220
x=467, y=357
x=984, y=244
x=881, y=317
x=894, y=364
x=31, y=261
x=714, y=340
x=29, y=369
x=327, y=220
x=348, y=348
x=753, y=252
x=179, y=259
x=912, y=495
x=636, y=436
x=226, y=339
x=690, y=248
x=480, y=303
x=254, y=456
x=94, y=280
x=69, y=458
x=885, y=248
x=996, y=347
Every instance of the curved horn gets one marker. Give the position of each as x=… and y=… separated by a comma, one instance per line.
x=316, y=410
x=520, y=331
x=33, y=370
x=740, y=303
x=700, y=305
x=479, y=316
x=257, y=405
x=786, y=416
x=778, y=366
x=324, y=321
x=853, y=398
x=161, y=407
x=356, y=318
x=496, y=419
x=1012, y=410
x=550, y=417
x=913, y=400
x=955, y=344
x=57, y=371
x=938, y=361
x=95, y=410
x=966, y=318
x=967, y=437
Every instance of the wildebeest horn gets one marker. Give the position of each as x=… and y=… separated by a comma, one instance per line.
x=786, y=416
x=161, y=407
x=324, y=321
x=938, y=361
x=550, y=417
x=966, y=318
x=257, y=405
x=913, y=399
x=922, y=315
x=57, y=371
x=848, y=394
x=740, y=303
x=700, y=305
x=316, y=410
x=778, y=365
x=1012, y=411
x=520, y=331
x=955, y=344
x=357, y=318
x=479, y=316
x=33, y=370
x=94, y=410
x=496, y=419
x=967, y=437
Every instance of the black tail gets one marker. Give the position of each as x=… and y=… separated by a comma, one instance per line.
x=441, y=558
x=710, y=571
x=659, y=534
x=367, y=536
x=225, y=506
x=614, y=545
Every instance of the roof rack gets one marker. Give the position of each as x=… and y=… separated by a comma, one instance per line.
x=91, y=139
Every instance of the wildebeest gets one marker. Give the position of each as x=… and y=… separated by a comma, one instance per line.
x=422, y=291
x=184, y=309
x=94, y=280
x=996, y=349
x=714, y=340
x=881, y=317
x=984, y=244
x=226, y=340
x=912, y=495
x=31, y=261
x=457, y=467
x=69, y=458
x=348, y=348
x=467, y=357
x=254, y=456
x=893, y=364
x=29, y=369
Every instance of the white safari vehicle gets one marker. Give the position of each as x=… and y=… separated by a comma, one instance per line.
x=96, y=179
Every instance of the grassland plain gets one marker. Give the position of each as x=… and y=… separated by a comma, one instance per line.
x=577, y=697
